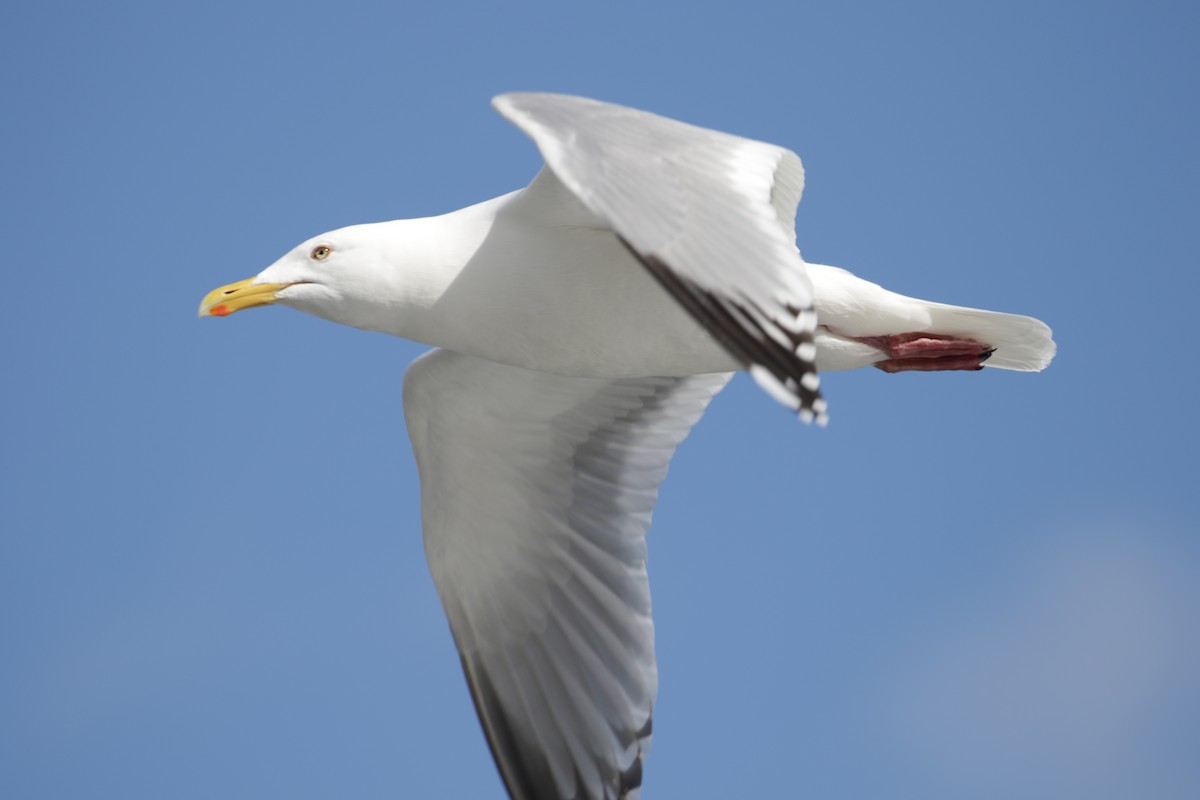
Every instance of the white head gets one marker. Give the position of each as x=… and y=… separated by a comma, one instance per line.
x=363, y=276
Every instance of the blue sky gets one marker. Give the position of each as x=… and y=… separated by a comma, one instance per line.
x=968, y=586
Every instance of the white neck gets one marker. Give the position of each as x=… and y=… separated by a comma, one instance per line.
x=415, y=261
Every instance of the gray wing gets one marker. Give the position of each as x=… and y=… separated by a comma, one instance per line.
x=536, y=493
x=710, y=215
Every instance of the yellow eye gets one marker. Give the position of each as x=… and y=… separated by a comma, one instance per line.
x=321, y=252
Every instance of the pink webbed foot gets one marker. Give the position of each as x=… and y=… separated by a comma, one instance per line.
x=928, y=352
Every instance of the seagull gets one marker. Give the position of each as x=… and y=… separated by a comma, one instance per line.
x=582, y=325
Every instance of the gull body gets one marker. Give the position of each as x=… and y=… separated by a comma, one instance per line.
x=582, y=324
x=503, y=279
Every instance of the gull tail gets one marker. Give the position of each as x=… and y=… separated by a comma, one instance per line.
x=1021, y=343
x=858, y=312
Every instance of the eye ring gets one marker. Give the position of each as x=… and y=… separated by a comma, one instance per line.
x=320, y=252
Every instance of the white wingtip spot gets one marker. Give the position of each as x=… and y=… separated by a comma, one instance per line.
x=810, y=381
x=820, y=418
x=773, y=387
x=807, y=351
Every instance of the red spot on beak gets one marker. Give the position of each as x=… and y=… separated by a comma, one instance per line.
x=219, y=311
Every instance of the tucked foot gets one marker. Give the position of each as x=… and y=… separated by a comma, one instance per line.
x=928, y=352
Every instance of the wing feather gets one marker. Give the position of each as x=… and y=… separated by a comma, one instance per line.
x=536, y=493
x=709, y=214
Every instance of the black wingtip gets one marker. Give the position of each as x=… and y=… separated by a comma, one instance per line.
x=781, y=357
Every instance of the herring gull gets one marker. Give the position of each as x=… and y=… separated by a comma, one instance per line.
x=582, y=325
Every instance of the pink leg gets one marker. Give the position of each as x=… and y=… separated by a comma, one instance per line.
x=928, y=352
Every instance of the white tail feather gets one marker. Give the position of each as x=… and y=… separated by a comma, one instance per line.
x=1022, y=343
x=849, y=306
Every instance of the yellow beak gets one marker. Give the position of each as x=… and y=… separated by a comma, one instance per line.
x=236, y=296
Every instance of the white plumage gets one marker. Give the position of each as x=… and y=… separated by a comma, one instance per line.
x=584, y=324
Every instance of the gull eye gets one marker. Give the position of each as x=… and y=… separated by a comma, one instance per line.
x=320, y=252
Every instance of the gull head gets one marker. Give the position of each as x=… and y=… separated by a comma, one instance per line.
x=340, y=276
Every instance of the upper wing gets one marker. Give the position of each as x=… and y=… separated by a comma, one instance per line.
x=709, y=214
x=536, y=493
